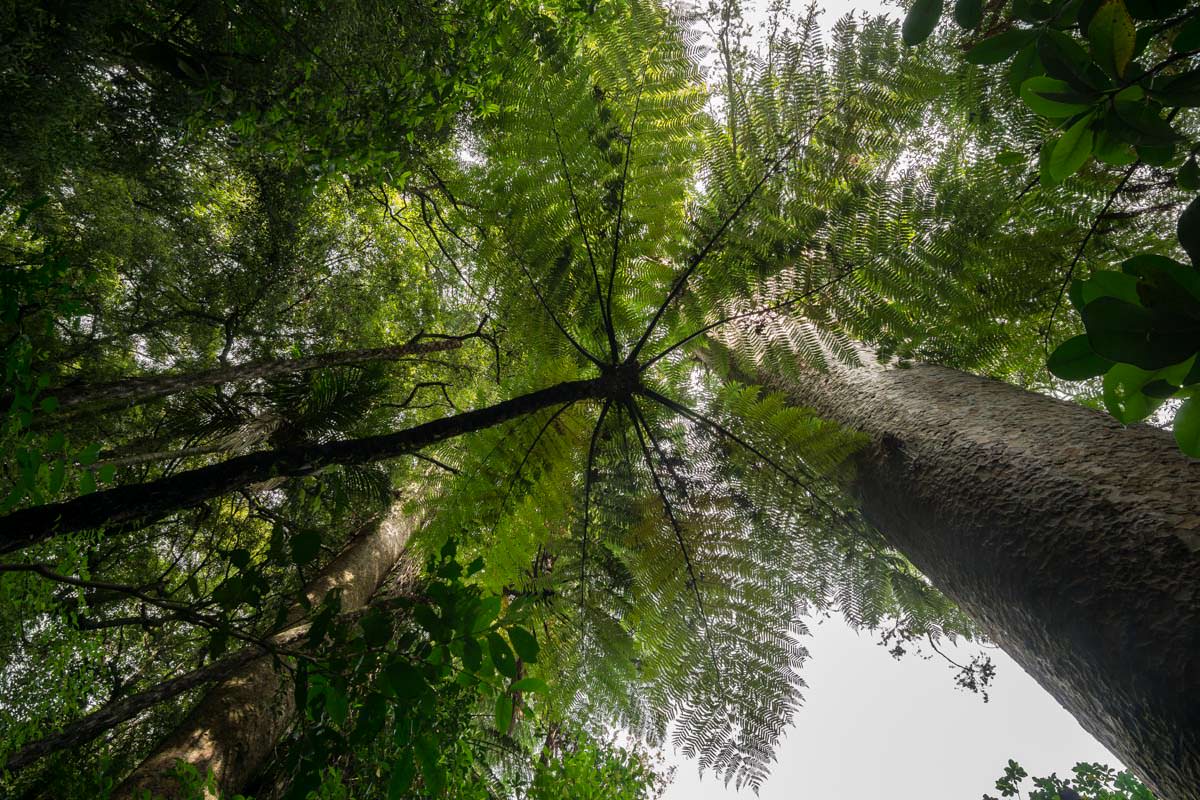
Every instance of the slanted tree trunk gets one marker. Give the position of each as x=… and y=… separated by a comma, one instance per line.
x=135, y=390
x=235, y=726
x=1073, y=541
x=143, y=502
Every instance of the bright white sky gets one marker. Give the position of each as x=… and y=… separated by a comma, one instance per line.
x=874, y=728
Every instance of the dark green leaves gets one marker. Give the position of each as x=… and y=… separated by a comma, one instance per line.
x=1000, y=47
x=1189, y=231
x=502, y=655
x=922, y=18
x=968, y=13
x=305, y=546
x=524, y=643
x=1075, y=360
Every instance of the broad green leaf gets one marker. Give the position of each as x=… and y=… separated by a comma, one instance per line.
x=87, y=482
x=1123, y=393
x=1188, y=37
x=403, y=772
x=106, y=473
x=403, y=680
x=1065, y=59
x=1188, y=177
x=1109, y=283
x=1073, y=149
x=1000, y=47
x=1187, y=427
x=489, y=608
x=1188, y=231
x=305, y=546
x=1052, y=97
x=1146, y=119
x=1155, y=9
x=472, y=655
x=1127, y=333
x=502, y=655
x=337, y=705
x=1112, y=37
x=504, y=712
x=1074, y=360
x=1025, y=65
x=529, y=685
x=525, y=643
x=920, y=21
x=968, y=13
x=1112, y=150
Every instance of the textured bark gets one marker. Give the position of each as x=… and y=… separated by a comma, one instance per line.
x=138, y=504
x=135, y=390
x=1073, y=541
x=234, y=728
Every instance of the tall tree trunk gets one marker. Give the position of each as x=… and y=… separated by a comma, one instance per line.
x=234, y=728
x=135, y=390
x=143, y=502
x=1073, y=541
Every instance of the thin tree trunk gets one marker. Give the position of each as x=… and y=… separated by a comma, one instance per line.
x=1073, y=541
x=144, y=502
x=133, y=391
x=234, y=728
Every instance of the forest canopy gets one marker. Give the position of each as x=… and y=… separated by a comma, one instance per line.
x=471, y=399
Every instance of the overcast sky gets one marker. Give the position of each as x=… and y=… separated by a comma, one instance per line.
x=874, y=728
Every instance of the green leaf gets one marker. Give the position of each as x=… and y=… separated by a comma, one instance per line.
x=403, y=772
x=49, y=404
x=1188, y=37
x=1155, y=9
x=1025, y=65
x=502, y=655
x=1130, y=334
x=525, y=643
x=529, y=685
x=1123, y=393
x=376, y=627
x=1188, y=177
x=504, y=713
x=920, y=21
x=1112, y=37
x=1188, y=231
x=337, y=705
x=1074, y=360
x=403, y=680
x=305, y=546
x=1109, y=283
x=1065, y=59
x=1073, y=149
x=87, y=482
x=240, y=558
x=1113, y=150
x=1052, y=97
x=968, y=13
x=489, y=608
x=1000, y=47
x=106, y=473
x=1187, y=427
x=472, y=655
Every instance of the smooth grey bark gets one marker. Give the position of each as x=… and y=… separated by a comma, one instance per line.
x=235, y=726
x=1072, y=540
x=135, y=390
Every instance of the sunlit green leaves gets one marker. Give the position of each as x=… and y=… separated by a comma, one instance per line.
x=1112, y=37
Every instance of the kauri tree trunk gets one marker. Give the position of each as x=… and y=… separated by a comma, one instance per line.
x=235, y=726
x=1073, y=541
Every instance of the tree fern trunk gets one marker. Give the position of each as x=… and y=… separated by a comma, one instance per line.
x=1073, y=541
x=234, y=728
